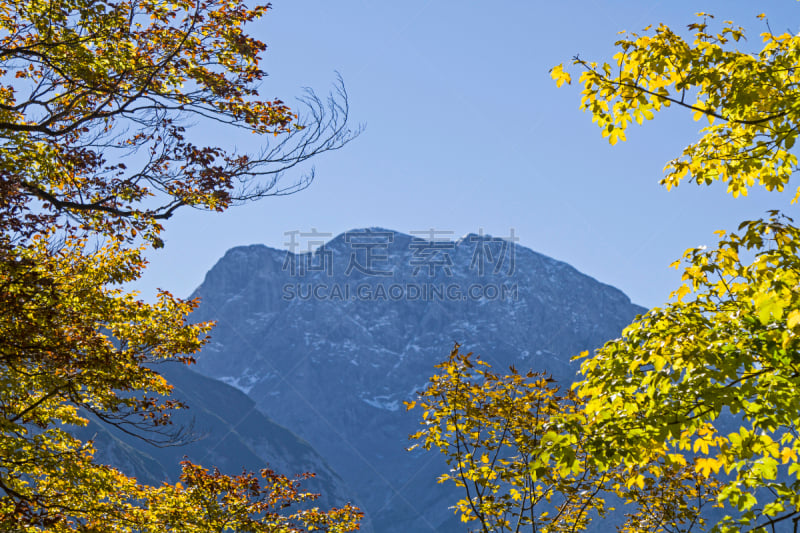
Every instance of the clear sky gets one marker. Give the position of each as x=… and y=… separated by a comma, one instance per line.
x=465, y=130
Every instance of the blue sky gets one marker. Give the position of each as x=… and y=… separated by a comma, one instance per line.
x=465, y=130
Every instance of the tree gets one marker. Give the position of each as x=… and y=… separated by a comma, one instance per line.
x=75, y=346
x=91, y=88
x=210, y=501
x=497, y=436
x=515, y=444
x=714, y=373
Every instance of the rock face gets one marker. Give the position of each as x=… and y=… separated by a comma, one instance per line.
x=331, y=343
x=227, y=432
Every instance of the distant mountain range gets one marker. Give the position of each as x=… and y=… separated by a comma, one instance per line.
x=330, y=343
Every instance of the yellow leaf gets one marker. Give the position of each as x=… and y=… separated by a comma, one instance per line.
x=683, y=291
x=793, y=319
x=705, y=465
x=788, y=454
x=561, y=77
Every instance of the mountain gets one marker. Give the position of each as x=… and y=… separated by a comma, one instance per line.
x=331, y=343
x=226, y=431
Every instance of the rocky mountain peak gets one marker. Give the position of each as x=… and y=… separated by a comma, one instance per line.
x=330, y=335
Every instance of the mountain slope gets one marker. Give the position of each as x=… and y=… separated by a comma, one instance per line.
x=228, y=433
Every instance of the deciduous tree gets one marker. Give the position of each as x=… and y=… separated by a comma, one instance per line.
x=713, y=373
x=95, y=97
x=516, y=445
x=75, y=345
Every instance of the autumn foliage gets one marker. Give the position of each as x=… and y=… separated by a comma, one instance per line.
x=518, y=447
x=713, y=373
x=696, y=404
x=94, y=99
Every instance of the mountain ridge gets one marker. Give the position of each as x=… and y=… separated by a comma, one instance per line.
x=234, y=251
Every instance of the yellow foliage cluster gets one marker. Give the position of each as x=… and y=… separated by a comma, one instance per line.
x=698, y=402
x=89, y=88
